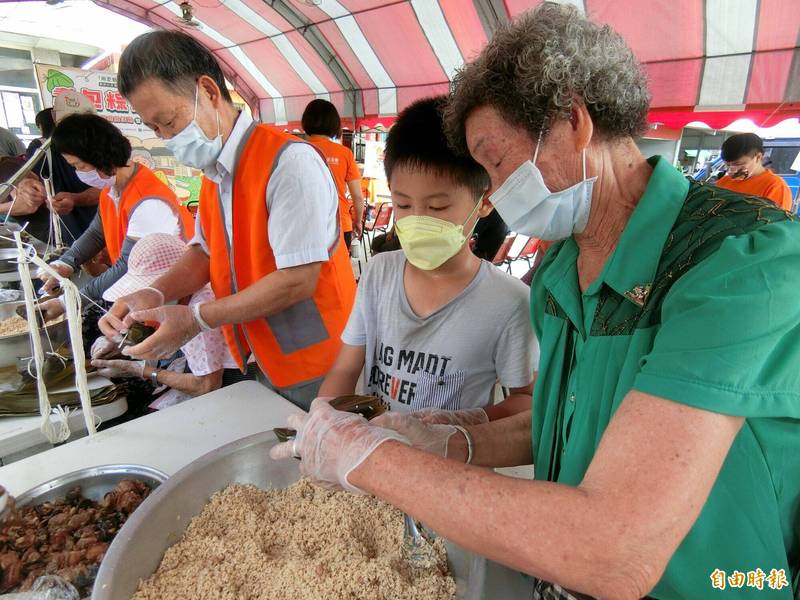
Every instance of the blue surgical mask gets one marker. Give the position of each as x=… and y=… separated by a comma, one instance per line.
x=94, y=179
x=192, y=147
x=528, y=206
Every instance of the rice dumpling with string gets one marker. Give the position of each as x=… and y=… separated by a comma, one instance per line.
x=18, y=391
x=137, y=333
x=368, y=407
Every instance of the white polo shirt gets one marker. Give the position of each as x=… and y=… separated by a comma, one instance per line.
x=301, y=199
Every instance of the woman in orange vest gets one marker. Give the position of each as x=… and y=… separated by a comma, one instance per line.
x=133, y=202
x=321, y=123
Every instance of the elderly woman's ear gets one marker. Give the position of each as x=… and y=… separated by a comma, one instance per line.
x=486, y=206
x=582, y=125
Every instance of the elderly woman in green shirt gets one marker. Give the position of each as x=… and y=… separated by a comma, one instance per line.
x=665, y=428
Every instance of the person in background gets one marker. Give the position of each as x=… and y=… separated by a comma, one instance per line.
x=490, y=231
x=35, y=218
x=74, y=200
x=205, y=365
x=271, y=245
x=385, y=242
x=133, y=202
x=321, y=123
x=743, y=154
x=417, y=330
x=10, y=144
x=46, y=125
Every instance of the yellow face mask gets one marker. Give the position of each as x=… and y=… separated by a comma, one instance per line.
x=429, y=242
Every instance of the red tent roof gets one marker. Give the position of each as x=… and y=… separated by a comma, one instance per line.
x=373, y=57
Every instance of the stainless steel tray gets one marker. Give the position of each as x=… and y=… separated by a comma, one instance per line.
x=161, y=520
x=95, y=482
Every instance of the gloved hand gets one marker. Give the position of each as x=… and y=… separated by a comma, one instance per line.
x=112, y=323
x=119, y=368
x=467, y=416
x=51, y=282
x=423, y=436
x=176, y=327
x=52, y=309
x=332, y=443
x=105, y=348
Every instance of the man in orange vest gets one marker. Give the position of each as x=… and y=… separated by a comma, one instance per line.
x=267, y=237
x=743, y=154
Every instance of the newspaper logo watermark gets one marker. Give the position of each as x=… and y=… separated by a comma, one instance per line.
x=758, y=579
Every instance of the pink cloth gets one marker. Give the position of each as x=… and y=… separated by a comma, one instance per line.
x=150, y=258
x=208, y=351
x=205, y=353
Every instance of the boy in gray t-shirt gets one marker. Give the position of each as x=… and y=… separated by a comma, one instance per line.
x=434, y=326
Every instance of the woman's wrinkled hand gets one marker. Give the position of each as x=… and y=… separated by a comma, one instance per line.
x=332, y=443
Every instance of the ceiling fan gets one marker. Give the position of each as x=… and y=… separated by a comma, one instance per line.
x=186, y=18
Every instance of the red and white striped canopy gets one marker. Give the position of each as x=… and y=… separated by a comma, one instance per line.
x=373, y=57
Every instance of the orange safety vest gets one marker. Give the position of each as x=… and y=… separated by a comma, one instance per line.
x=143, y=185
x=299, y=344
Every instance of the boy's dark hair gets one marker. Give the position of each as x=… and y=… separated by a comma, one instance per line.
x=741, y=144
x=174, y=58
x=417, y=141
x=321, y=118
x=92, y=139
x=45, y=122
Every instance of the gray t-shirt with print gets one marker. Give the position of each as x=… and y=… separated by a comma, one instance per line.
x=451, y=358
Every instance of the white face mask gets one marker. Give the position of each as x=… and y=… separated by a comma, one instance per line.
x=528, y=207
x=94, y=179
x=192, y=147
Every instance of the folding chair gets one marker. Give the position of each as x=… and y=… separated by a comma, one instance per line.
x=383, y=218
x=528, y=251
x=501, y=258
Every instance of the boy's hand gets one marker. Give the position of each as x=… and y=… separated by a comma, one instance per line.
x=431, y=438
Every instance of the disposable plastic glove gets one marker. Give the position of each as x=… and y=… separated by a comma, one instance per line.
x=119, y=368
x=431, y=438
x=105, y=348
x=332, y=443
x=467, y=416
x=52, y=309
x=176, y=327
x=51, y=282
x=113, y=322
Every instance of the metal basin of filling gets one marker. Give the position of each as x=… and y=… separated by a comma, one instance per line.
x=18, y=345
x=163, y=517
x=8, y=259
x=95, y=482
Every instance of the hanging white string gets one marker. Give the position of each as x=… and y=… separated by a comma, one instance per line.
x=13, y=201
x=72, y=301
x=27, y=254
x=23, y=268
x=54, y=235
x=61, y=416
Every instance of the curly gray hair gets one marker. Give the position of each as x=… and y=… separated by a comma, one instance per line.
x=532, y=69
